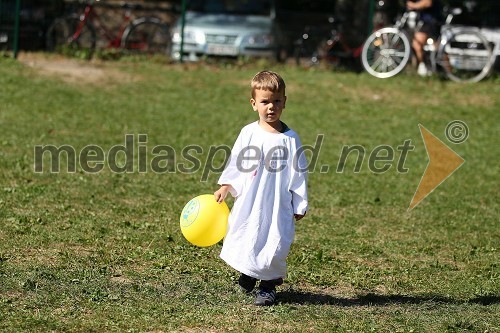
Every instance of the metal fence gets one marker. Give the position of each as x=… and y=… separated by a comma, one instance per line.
x=23, y=23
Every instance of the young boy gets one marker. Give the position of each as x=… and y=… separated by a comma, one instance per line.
x=267, y=175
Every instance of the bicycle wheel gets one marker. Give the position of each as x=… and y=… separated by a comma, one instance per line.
x=67, y=36
x=147, y=35
x=385, y=53
x=465, y=56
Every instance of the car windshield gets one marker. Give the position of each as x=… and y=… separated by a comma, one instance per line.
x=246, y=7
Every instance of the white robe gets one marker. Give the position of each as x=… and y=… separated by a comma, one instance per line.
x=268, y=176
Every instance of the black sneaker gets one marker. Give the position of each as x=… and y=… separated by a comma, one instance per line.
x=246, y=283
x=265, y=297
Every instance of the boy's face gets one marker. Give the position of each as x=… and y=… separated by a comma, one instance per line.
x=269, y=105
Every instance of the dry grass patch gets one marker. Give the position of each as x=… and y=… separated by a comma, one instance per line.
x=76, y=71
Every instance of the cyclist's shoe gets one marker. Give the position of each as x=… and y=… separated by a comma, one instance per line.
x=265, y=297
x=422, y=69
x=246, y=283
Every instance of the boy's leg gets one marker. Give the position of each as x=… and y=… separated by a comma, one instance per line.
x=246, y=283
x=266, y=295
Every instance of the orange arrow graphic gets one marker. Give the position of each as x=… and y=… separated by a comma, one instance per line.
x=442, y=163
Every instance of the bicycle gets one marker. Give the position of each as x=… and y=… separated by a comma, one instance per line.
x=78, y=33
x=326, y=44
x=329, y=44
x=461, y=53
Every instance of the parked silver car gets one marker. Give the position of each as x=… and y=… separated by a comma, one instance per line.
x=226, y=28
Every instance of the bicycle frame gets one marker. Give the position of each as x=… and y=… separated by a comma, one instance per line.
x=402, y=21
x=89, y=16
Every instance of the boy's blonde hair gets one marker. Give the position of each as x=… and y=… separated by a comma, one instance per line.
x=267, y=80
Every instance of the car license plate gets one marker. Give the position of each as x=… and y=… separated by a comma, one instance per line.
x=218, y=49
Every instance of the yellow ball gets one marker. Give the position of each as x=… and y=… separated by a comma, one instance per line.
x=204, y=221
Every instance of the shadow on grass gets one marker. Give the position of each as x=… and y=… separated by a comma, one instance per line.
x=298, y=297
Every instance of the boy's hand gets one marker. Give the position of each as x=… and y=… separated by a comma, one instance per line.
x=221, y=193
x=298, y=216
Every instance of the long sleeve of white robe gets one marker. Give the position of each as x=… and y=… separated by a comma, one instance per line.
x=268, y=176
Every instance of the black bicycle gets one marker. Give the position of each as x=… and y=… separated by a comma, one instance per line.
x=326, y=44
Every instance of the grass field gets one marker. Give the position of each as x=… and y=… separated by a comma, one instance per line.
x=93, y=252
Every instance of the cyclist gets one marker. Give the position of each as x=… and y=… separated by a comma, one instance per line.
x=431, y=20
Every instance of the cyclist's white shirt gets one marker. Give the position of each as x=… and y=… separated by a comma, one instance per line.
x=269, y=181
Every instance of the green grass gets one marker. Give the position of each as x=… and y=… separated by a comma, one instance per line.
x=103, y=252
